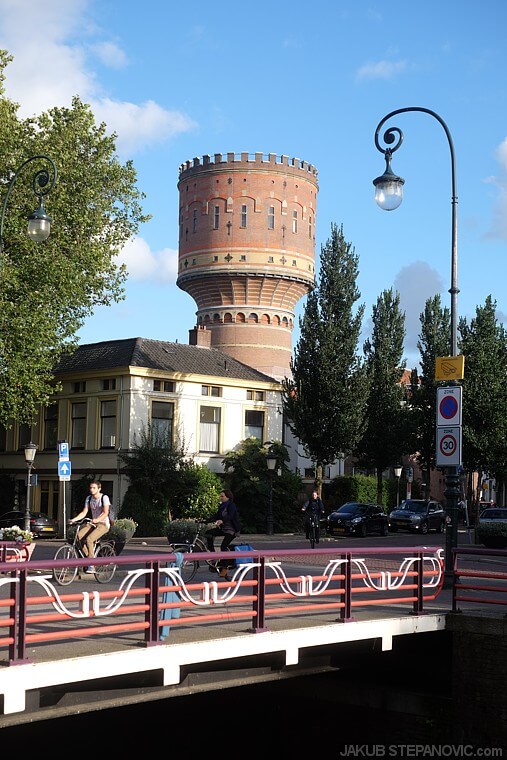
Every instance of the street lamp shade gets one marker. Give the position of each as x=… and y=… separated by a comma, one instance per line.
x=397, y=470
x=388, y=188
x=271, y=461
x=30, y=450
x=39, y=224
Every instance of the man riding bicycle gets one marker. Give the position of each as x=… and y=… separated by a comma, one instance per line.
x=97, y=508
x=313, y=506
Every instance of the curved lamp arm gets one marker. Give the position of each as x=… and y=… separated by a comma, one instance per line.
x=39, y=223
x=389, y=195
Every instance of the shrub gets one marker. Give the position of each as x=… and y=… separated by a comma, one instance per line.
x=182, y=531
x=493, y=534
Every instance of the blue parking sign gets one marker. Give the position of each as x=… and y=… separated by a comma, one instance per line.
x=63, y=451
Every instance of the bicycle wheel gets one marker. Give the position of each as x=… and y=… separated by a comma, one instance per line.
x=189, y=566
x=311, y=535
x=104, y=573
x=200, y=546
x=65, y=575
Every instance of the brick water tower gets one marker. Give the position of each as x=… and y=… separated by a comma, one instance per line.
x=247, y=252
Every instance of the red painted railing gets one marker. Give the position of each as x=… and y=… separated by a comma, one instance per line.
x=147, y=596
x=480, y=576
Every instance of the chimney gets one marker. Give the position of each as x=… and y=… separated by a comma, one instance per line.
x=199, y=336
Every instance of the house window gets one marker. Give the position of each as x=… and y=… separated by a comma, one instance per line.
x=216, y=218
x=162, y=415
x=211, y=390
x=108, y=424
x=51, y=427
x=271, y=218
x=78, y=436
x=243, y=215
x=194, y=221
x=163, y=385
x=109, y=384
x=209, y=429
x=294, y=221
x=80, y=387
x=254, y=424
x=254, y=395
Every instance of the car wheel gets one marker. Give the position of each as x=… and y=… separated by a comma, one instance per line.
x=424, y=528
x=384, y=531
x=363, y=531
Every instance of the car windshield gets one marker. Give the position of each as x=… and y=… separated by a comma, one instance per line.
x=414, y=506
x=355, y=509
x=494, y=514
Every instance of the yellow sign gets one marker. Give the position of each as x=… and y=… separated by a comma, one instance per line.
x=450, y=368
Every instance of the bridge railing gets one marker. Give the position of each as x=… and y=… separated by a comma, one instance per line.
x=147, y=597
x=479, y=576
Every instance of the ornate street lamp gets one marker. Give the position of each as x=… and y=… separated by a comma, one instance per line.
x=397, y=474
x=39, y=223
x=271, y=462
x=30, y=450
x=389, y=195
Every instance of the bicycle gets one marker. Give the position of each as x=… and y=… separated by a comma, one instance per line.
x=313, y=528
x=190, y=566
x=103, y=548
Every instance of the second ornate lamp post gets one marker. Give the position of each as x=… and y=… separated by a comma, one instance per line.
x=30, y=450
x=397, y=474
x=388, y=195
x=271, y=461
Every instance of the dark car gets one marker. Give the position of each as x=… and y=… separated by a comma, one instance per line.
x=418, y=516
x=493, y=514
x=41, y=525
x=357, y=519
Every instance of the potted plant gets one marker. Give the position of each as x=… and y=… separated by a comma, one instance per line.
x=493, y=535
x=120, y=532
x=23, y=539
x=182, y=531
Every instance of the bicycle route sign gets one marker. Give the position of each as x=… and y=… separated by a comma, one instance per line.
x=448, y=446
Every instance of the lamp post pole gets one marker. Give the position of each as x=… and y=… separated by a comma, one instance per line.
x=388, y=195
x=30, y=450
x=397, y=473
x=271, y=463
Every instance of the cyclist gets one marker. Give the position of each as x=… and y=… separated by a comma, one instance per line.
x=313, y=506
x=227, y=526
x=96, y=506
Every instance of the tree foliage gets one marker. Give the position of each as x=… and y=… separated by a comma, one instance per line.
x=48, y=289
x=324, y=399
x=387, y=419
x=484, y=344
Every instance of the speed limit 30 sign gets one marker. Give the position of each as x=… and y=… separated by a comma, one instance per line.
x=448, y=446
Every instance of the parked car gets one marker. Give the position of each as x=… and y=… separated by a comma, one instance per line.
x=418, y=516
x=493, y=514
x=41, y=525
x=357, y=519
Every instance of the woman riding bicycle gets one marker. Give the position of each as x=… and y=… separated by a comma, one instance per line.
x=97, y=507
x=313, y=506
x=227, y=526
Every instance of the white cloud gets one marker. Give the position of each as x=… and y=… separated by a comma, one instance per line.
x=49, y=70
x=498, y=226
x=416, y=283
x=144, y=264
x=381, y=70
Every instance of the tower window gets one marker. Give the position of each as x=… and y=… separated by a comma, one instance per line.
x=194, y=221
x=242, y=257
x=310, y=227
x=243, y=215
x=270, y=259
x=271, y=218
x=294, y=221
x=216, y=218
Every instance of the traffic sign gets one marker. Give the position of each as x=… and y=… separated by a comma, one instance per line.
x=63, y=451
x=449, y=405
x=450, y=368
x=448, y=446
x=64, y=470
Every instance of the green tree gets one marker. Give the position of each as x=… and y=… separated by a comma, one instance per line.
x=484, y=345
x=248, y=478
x=387, y=429
x=433, y=342
x=48, y=289
x=324, y=399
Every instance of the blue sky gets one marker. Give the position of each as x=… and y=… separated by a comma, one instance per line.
x=308, y=80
